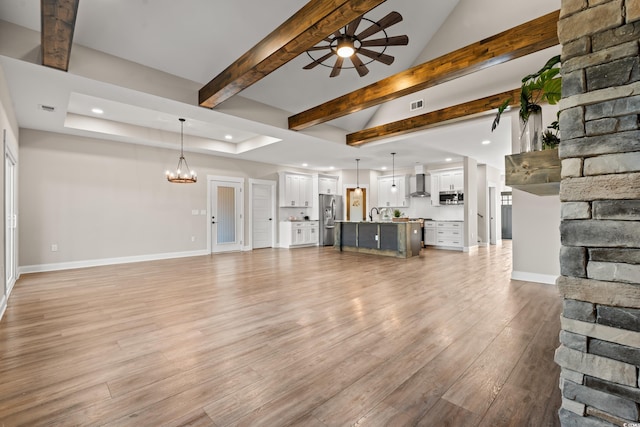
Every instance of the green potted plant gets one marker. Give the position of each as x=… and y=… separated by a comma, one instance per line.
x=397, y=216
x=543, y=86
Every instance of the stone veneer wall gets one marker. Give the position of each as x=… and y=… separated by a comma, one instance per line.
x=599, y=349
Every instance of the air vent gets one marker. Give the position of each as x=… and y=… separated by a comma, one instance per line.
x=47, y=108
x=416, y=105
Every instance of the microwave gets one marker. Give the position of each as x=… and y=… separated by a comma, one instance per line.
x=451, y=198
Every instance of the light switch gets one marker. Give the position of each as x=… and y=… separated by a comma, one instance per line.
x=203, y=211
x=194, y=212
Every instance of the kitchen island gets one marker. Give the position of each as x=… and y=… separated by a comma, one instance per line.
x=396, y=239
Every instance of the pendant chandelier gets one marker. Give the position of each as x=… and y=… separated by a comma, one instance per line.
x=394, y=188
x=182, y=174
x=358, y=190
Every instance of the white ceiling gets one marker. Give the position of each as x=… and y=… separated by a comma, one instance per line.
x=197, y=39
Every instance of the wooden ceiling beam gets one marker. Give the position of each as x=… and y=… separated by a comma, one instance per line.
x=530, y=37
x=315, y=21
x=434, y=118
x=58, y=21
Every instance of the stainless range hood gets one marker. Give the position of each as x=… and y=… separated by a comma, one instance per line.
x=421, y=190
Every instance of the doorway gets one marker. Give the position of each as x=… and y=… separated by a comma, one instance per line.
x=506, y=207
x=493, y=204
x=262, y=209
x=10, y=241
x=226, y=206
x=356, y=204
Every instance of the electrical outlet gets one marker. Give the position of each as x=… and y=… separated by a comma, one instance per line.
x=193, y=238
x=54, y=247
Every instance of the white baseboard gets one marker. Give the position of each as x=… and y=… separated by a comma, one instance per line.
x=470, y=249
x=525, y=276
x=3, y=306
x=107, y=261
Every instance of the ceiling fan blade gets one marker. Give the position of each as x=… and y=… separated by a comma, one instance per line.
x=317, y=61
x=360, y=67
x=337, y=67
x=385, y=59
x=319, y=48
x=391, y=41
x=386, y=22
x=353, y=26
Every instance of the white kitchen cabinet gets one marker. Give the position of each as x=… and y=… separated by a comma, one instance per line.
x=296, y=190
x=452, y=180
x=298, y=233
x=328, y=184
x=389, y=198
x=430, y=233
x=449, y=234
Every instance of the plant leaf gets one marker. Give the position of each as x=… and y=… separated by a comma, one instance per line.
x=501, y=108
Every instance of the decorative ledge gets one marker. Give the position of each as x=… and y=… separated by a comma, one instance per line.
x=536, y=172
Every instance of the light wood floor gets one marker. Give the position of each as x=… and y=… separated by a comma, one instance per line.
x=307, y=337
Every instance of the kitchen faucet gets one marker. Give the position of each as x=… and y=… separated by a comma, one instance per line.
x=371, y=213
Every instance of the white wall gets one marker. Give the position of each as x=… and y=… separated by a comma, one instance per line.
x=483, y=205
x=99, y=199
x=470, y=203
x=9, y=125
x=535, y=223
x=536, y=237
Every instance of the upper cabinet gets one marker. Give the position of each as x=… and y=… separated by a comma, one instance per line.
x=296, y=190
x=390, y=199
x=452, y=180
x=327, y=184
x=445, y=180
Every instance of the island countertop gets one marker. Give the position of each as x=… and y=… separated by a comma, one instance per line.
x=400, y=239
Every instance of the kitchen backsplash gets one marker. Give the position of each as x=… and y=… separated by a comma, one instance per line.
x=420, y=207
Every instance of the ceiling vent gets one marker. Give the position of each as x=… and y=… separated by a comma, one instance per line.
x=416, y=105
x=47, y=108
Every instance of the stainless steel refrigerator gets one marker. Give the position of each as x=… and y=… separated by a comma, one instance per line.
x=330, y=212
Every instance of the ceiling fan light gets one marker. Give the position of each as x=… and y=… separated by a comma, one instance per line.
x=345, y=48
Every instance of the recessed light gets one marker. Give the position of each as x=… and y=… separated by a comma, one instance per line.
x=331, y=167
x=228, y=137
x=448, y=159
x=305, y=165
x=486, y=142
x=384, y=168
x=97, y=111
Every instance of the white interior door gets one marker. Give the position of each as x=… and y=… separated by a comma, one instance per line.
x=262, y=215
x=10, y=218
x=226, y=216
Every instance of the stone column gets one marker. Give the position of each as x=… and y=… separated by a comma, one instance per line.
x=599, y=349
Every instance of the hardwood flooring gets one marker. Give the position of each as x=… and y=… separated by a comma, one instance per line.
x=274, y=337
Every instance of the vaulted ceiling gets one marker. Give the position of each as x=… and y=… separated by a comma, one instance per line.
x=197, y=40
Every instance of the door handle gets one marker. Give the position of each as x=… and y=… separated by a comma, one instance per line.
x=212, y=220
x=270, y=219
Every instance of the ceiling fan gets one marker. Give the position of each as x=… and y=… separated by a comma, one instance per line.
x=348, y=43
